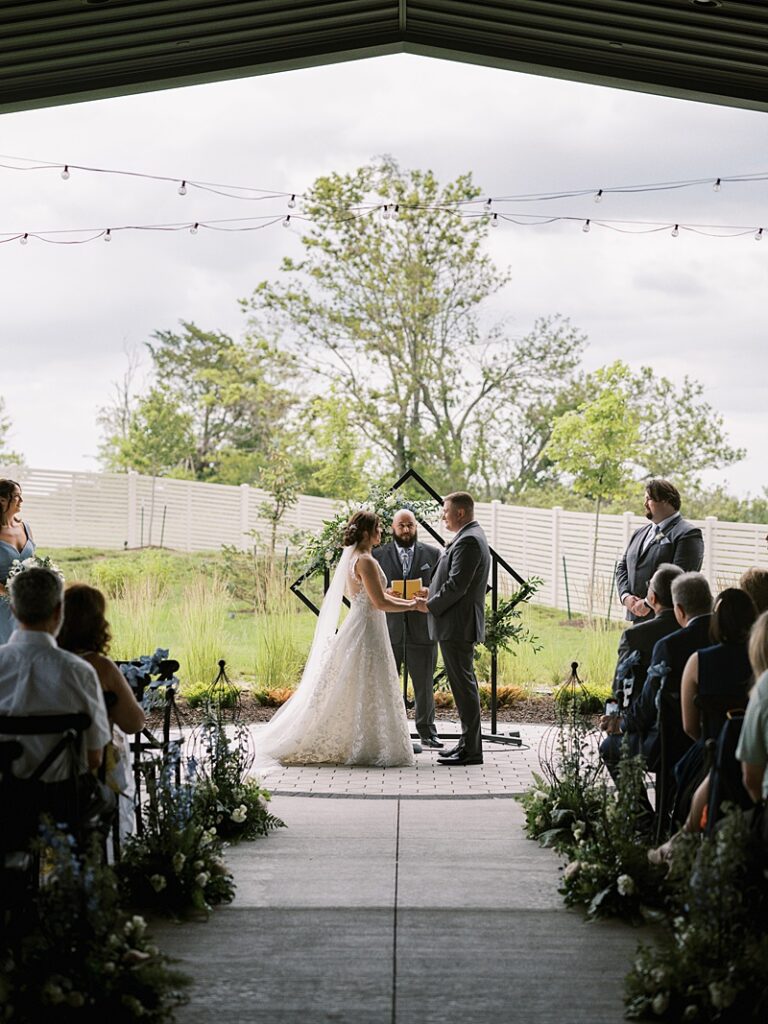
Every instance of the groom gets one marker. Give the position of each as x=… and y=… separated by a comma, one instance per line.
x=456, y=606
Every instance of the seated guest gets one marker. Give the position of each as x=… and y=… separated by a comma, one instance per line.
x=37, y=678
x=637, y=643
x=692, y=603
x=752, y=750
x=722, y=672
x=85, y=632
x=722, y=669
x=755, y=583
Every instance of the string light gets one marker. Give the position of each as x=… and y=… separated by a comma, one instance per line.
x=248, y=192
x=24, y=238
x=193, y=229
x=495, y=221
x=675, y=230
x=586, y=226
x=385, y=212
x=759, y=235
x=287, y=221
x=108, y=235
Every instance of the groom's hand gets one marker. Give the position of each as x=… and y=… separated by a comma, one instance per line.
x=421, y=603
x=424, y=592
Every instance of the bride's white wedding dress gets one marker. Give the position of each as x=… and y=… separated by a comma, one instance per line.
x=348, y=707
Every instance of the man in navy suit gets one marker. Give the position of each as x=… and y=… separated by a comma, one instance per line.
x=669, y=538
x=692, y=599
x=405, y=557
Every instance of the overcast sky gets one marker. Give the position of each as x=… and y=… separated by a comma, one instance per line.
x=689, y=304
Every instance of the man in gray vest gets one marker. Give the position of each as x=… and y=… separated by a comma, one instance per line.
x=406, y=558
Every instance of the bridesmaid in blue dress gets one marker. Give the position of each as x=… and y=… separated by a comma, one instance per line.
x=15, y=542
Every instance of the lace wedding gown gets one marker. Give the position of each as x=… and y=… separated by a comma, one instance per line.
x=348, y=707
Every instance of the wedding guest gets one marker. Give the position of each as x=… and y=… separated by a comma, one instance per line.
x=85, y=632
x=668, y=538
x=722, y=669
x=755, y=582
x=15, y=543
x=38, y=678
x=752, y=750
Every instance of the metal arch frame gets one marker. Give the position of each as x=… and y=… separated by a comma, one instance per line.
x=497, y=562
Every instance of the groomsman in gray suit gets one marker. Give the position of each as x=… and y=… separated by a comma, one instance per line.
x=456, y=606
x=669, y=538
x=404, y=558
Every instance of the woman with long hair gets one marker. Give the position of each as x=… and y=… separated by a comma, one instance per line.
x=348, y=707
x=15, y=543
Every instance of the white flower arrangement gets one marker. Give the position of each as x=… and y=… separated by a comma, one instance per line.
x=19, y=566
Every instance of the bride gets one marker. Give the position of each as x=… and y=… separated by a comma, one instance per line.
x=348, y=707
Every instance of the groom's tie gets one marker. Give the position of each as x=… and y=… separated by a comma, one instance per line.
x=406, y=556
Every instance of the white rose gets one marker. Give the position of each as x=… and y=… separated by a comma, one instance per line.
x=572, y=870
x=660, y=1002
x=158, y=882
x=202, y=879
x=178, y=861
x=625, y=885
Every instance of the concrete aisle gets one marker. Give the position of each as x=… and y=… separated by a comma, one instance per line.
x=399, y=911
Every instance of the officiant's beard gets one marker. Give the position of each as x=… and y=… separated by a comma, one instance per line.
x=406, y=542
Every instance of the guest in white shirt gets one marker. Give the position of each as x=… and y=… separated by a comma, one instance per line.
x=37, y=678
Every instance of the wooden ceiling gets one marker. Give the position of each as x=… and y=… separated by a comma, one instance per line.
x=62, y=51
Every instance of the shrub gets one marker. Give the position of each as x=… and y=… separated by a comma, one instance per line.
x=203, y=612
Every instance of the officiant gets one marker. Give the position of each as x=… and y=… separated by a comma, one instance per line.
x=406, y=558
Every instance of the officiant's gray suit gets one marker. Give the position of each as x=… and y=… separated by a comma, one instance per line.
x=456, y=606
x=680, y=543
x=409, y=631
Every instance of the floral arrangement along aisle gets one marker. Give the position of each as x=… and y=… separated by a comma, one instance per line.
x=84, y=959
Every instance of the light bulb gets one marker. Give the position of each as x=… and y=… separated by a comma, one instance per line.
x=287, y=221
x=183, y=188
x=716, y=186
x=599, y=196
x=675, y=231
x=385, y=214
x=395, y=209
x=586, y=226
x=65, y=172
x=108, y=235
x=488, y=204
x=759, y=235
x=24, y=238
x=193, y=229
x=495, y=221
x=292, y=202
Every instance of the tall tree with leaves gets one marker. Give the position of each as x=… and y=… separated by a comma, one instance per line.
x=386, y=306
x=597, y=444
x=7, y=457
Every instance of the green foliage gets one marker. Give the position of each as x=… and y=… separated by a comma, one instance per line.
x=7, y=457
x=609, y=872
x=203, y=612
x=388, y=314
x=324, y=547
x=176, y=865
x=713, y=966
x=158, y=440
x=85, y=959
x=278, y=477
x=503, y=628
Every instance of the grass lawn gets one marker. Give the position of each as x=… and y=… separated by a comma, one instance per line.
x=184, y=602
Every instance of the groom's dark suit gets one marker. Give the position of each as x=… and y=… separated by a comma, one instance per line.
x=680, y=543
x=409, y=633
x=456, y=605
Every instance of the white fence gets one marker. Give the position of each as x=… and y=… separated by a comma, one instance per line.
x=109, y=510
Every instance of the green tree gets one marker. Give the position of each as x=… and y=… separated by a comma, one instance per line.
x=388, y=310
x=332, y=457
x=597, y=445
x=7, y=457
x=278, y=478
x=158, y=440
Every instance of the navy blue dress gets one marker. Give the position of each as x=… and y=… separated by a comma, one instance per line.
x=9, y=552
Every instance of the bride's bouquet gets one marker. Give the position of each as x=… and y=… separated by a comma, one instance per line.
x=19, y=565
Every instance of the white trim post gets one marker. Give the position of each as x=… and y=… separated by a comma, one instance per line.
x=133, y=511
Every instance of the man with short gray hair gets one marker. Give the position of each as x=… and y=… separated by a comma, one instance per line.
x=38, y=678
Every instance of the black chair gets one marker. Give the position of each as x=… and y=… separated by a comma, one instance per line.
x=672, y=745
x=24, y=800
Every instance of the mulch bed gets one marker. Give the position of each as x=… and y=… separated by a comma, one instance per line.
x=539, y=710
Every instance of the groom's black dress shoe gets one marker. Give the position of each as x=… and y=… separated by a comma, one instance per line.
x=431, y=741
x=458, y=749
x=459, y=759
